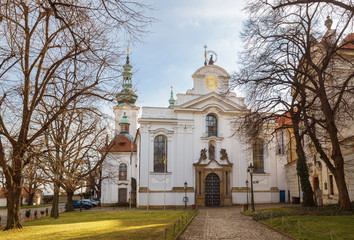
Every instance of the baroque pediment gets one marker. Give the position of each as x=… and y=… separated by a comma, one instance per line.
x=214, y=100
x=212, y=164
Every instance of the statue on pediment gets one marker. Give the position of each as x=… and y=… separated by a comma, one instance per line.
x=203, y=155
x=223, y=154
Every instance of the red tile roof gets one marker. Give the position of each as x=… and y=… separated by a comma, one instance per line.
x=348, y=41
x=120, y=144
x=284, y=120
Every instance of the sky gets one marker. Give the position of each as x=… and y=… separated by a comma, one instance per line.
x=174, y=48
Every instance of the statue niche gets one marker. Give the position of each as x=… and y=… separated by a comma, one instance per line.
x=211, y=152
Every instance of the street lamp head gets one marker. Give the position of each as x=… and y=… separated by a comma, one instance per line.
x=185, y=185
x=250, y=168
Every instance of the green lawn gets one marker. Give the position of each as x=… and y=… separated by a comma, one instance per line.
x=342, y=226
x=97, y=225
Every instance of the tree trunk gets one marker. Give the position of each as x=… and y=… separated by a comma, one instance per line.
x=69, y=202
x=30, y=199
x=55, y=204
x=14, y=205
x=344, y=200
x=301, y=165
x=302, y=171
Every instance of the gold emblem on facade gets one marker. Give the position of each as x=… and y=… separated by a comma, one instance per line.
x=211, y=82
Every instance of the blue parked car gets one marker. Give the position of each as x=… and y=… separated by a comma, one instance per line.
x=77, y=203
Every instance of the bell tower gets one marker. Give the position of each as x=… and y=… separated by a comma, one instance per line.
x=126, y=99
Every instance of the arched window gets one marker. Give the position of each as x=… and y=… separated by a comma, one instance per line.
x=211, y=125
x=258, y=155
x=160, y=154
x=123, y=171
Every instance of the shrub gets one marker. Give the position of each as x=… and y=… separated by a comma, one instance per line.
x=46, y=210
x=42, y=212
x=267, y=215
x=47, y=199
x=28, y=213
x=35, y=213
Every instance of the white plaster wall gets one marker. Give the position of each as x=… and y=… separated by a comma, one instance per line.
x=3, y=202
x=111, y=185
x=172, y=199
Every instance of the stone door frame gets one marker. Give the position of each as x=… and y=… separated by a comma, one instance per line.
x=224, y=173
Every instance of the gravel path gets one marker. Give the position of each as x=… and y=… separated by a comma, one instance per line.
x=227, y=223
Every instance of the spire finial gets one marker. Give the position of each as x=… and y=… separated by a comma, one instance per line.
x=328, y=23
x=171, y=100
x=205, y=55
x=127, y=62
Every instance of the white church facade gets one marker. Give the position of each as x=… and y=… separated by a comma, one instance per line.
x=189, y=148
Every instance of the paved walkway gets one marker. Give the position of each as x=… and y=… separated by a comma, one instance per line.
x=227, y=223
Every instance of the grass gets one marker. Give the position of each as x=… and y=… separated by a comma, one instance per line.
x=269, y=210
x=342, y=226
x=309, y=222
x=97, y=225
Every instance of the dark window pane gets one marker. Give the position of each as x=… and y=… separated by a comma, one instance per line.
x=211, y=126
x=160, y=153
x=258, y=158
x=123, y=171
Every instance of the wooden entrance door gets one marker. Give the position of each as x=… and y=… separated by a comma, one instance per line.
x=212, y=190
x=122, y=195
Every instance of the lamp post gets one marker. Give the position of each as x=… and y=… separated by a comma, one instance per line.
x=250, y=170
x=81, y=200
x=247, y=192
x=185, y=194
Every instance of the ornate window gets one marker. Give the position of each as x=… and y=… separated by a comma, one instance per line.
x=258, y=155
x=211, y=125
x=160, y=154
x=123, y=171
x=280, y=136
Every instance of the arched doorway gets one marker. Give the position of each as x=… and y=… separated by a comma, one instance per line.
x=212, y=190
x=316, y=185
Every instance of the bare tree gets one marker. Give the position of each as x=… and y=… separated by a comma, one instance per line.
x=285, y=69
x=346, y=4
x=38, y=41
x=34, y=180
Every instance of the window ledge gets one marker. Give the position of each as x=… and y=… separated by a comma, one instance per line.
x=212, y=138
x=261, y=174
x=160, y=173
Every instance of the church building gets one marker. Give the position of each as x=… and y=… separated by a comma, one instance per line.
x=189, y=152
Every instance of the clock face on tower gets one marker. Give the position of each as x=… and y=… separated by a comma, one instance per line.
x=211, y=82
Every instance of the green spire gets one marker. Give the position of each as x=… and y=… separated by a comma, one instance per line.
x=124, y=120
x=124, y=124
x=127, y=95
x=171, y=100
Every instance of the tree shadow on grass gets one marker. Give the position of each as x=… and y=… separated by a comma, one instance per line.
x=102, y=225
